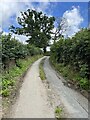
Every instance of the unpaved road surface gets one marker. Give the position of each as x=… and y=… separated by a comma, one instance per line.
x=32, y=101
x=74, y=102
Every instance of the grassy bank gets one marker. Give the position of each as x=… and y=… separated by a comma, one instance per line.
x=41, y=70
x=12, y=81
x=72, y=77
x=11, y=78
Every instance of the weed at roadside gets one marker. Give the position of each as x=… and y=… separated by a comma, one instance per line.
x=58, y=112
x=41, y=70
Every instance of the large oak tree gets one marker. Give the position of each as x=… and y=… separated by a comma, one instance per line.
x=37, y=26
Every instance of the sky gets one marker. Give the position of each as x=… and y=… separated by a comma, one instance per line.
x=75, y=12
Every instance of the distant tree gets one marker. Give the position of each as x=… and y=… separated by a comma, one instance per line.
x=61, y=26
x=37, y=26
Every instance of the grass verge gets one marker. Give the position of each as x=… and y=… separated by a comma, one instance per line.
x=41, y=70
x=73, y=78
x=11, y=81
x=9, y=78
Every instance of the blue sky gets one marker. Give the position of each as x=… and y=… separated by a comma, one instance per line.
x=64, y=6
x=76, y=12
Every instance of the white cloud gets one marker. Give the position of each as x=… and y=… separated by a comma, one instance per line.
x=52, y=35
x=73, y=21
x=46, y=0
x=7, y=10
x=0, y=29
x=27, y=0
x=21, y=38
x=11, y=9
x=5, y=33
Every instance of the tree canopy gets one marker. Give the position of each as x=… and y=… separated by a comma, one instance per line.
x=37, y=26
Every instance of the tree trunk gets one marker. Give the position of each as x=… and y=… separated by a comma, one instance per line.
x=44, y=49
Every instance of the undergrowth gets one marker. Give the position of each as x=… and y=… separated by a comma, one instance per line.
x=41, y=70
x=9, y=79
x=58, y=112
x=69, y=74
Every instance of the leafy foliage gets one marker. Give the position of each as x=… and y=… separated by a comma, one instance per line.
x=21, y=53
x=58, y=112
x=75, y=52
x=10, y=79
x=13, y=49
x=37, y=26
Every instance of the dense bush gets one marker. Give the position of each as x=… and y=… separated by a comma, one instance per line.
x=33, y=50
x=10, y=79
x=75, y=52
x=12, y=49
x=20, y=54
